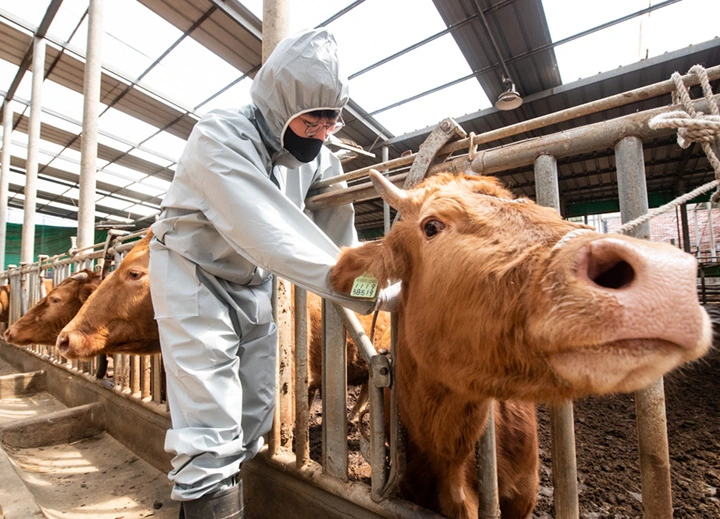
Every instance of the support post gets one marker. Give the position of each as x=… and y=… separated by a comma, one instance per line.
x=275, y=26
x=91, y=110
x=649, y=402
x=31, y=166
x=564, y=467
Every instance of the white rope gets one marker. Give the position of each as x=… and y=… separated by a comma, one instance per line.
x=692, y=126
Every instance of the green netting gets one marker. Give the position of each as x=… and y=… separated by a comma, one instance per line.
x=48, y=240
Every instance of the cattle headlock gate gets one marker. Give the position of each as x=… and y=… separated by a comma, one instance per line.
x=286, y=461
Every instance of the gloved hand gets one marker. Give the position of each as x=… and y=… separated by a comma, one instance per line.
x=388, y=299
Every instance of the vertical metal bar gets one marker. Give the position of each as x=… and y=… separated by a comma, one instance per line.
x=135, y=375
x=711, y=232
x=489, y=507
x=157, y=379
x=649, y=402
x=334, y=391
x=91, y=110
x=302, y=403
x=5, y=177
x=284, y=393
x=275, y=431
x=379, y=380
x=564, y=464
x=145, y=367
x=386, y=206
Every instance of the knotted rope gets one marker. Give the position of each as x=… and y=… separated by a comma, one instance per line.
x=692, y=126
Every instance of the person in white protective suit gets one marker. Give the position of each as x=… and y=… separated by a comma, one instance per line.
x=233, y=215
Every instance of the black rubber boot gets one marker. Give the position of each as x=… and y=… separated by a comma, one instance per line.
x=224, y=504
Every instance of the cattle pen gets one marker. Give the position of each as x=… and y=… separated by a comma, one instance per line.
x=285, y=480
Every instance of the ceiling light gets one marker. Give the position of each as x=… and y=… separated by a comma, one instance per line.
x=509, y=99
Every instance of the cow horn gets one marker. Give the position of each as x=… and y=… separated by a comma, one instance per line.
x=80, y=276
x=393, y=195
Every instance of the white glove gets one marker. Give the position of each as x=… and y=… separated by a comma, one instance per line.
x=388, y=299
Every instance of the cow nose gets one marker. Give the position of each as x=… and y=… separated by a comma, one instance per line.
x=654, y=286
x=63, y=342
x=8, y=335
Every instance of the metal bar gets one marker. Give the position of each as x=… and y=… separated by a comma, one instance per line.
x=357, y=332
x=302, y=402
x=380, y=379
x=649, y=402
x=7, y=120
x=564, y=467
x=489, y=506
x=284, y=393
x=334, y=391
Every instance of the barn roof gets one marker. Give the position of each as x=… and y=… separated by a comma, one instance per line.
x=147, y=115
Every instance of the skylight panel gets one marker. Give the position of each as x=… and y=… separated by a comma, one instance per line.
x=124, y=172
x=658, y=39
x=67, y=18
x=166, y=144
x=119, y=219
x=32, y=12
x=50, y=187
x=73, y=193
x=71, y=154
x=60, y=205
x=8, y=71
x=113, y=143
x=189, y=74
x=455, y=101
x=60, y=123
x=63, y=100
x=157, y=183
x=108, y=178
x=17, y=179
x=125, y=126
x=408, y=75
x=145, y=189
x=150, y=157
x=234, y=97
x=360, y=48
x=66, y=165
x=114, y=203
x=142, y=210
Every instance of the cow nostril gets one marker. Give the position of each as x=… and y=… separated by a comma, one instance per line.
x=614, y=274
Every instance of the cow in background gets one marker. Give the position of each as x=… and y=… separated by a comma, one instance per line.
x=43, y=322
x=118, y=318
x=4, y=304
x=503, y=299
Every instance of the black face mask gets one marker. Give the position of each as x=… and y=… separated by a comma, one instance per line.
x=302, y=148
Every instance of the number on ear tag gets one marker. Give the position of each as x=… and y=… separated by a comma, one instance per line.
x=365, y=286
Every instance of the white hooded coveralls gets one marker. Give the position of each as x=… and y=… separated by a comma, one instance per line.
x=231, y=217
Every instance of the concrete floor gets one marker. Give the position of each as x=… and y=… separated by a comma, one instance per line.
x=94, y=478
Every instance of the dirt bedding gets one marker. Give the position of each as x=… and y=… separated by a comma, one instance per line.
x=606, y=444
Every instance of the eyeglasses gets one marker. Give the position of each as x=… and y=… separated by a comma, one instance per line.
x=314, y=128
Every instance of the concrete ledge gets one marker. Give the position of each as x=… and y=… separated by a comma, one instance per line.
x=66, y=426
x=16, y=501
x=22, y=384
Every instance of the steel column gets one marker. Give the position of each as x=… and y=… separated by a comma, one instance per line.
x=89, y=141
x=275, y=26
x=31, y=165
x=5, y=178
x=649, y=402
x=564, y=468
x=302, y=404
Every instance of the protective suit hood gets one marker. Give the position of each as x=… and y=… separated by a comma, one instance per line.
x=302, y=74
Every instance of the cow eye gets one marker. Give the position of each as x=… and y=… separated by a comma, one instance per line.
x=134, y=274
x=433, y=227
x=54, y=299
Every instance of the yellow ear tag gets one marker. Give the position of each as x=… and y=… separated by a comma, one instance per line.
x=364, y=286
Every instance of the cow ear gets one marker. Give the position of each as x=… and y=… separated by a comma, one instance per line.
x=370, y=258
x=86, y=291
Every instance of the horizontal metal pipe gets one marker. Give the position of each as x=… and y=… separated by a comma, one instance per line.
x=579, y=140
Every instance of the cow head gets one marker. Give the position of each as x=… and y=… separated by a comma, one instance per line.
x=502, y=297
x=42, y=323
x=118, y=317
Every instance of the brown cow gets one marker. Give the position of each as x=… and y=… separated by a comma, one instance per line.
x=42, y=323
x=4, y=303
x=118, y=318
x=503, y=299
